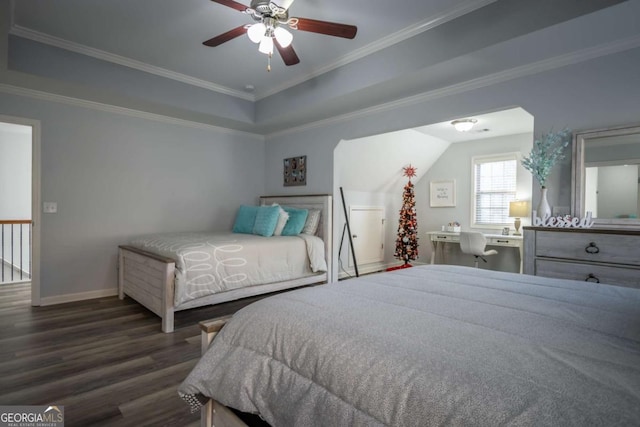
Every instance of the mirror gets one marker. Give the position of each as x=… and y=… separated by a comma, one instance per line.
x=606, y=176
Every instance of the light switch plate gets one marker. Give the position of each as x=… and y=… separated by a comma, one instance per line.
x=50, y=207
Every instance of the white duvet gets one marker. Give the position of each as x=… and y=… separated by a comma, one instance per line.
x=208, y=263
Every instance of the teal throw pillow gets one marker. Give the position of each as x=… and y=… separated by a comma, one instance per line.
x=245, y=219
x=296, y=221
x=266, y=220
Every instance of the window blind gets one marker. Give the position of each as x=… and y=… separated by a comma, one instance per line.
x=494, y=188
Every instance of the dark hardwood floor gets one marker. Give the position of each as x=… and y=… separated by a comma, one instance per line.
x=105, y=360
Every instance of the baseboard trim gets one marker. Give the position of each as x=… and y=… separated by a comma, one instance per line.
x=377, y=267
x=81, y=296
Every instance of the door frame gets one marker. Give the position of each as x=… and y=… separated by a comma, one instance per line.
x=35, y=200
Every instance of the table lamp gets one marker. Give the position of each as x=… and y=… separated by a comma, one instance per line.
x=517, y=210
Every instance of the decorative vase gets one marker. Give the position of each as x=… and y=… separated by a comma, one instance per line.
x=544, y=210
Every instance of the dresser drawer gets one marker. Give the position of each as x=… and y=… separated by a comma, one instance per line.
x=610, y=275
x=446, y=237
x=503, y=241
x=591, y=247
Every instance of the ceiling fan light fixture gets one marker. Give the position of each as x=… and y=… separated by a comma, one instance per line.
x=256, y=32
x=464, y=125
x=266, y=45
x=283, y=36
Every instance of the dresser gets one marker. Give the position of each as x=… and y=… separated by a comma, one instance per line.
x=593, y=255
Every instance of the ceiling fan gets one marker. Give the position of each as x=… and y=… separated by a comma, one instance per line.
x=272, y=16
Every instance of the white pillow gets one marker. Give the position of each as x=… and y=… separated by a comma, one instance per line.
x=283, y=217
x=313, y=220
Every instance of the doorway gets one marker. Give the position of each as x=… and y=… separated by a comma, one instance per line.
x=19, y=203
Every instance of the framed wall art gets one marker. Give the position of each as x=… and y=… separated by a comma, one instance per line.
x=295, y=171
x=443, y=194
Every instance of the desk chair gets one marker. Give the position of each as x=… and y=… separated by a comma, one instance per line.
x=474, y=243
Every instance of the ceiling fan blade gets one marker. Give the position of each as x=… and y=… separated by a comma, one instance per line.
x=229, y=35
x=288, y=55
x=232, y=4
x=328, y=28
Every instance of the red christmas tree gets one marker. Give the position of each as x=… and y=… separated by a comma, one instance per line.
x=407, y=241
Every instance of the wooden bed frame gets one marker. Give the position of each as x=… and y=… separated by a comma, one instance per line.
x=149, y=278
x=213, y=413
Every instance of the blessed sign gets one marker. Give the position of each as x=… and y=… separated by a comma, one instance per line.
x=563, y=222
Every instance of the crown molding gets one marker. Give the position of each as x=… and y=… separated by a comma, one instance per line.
x=93, y=105
x=47, y=39
x=491, y=79
x=390, y=40
x=376, y=46
x=556, y=62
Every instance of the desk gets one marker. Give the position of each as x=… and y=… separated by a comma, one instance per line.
x=492, y=240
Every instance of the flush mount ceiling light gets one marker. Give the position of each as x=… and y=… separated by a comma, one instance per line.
x=269, y=32
x=464, y=125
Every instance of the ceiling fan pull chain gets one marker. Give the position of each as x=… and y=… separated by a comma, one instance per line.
x=269, y=62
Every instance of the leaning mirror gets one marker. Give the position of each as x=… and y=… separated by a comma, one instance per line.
x=606, y=176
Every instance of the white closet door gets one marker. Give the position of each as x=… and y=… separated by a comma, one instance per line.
x=367, y=230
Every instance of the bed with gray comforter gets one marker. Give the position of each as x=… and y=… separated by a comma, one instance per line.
x=432, y=345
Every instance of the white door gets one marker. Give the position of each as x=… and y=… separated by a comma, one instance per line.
x=367, y=231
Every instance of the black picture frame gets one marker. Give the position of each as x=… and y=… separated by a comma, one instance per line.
x=295, y=171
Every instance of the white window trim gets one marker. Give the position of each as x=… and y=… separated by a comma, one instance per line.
x=486, y=159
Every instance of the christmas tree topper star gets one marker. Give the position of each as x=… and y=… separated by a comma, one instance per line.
x=409, y=171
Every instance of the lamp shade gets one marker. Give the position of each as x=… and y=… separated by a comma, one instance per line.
x=283, y=36
x=256, y=32
x=266, y=45
x=518, y=209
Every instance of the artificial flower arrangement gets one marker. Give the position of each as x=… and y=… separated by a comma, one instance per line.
x=546, y=152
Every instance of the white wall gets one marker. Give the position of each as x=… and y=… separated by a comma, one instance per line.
x=15, y=172
x=362, y=198
x=15, y=192
x=115, y=177
x=456, y=163
x=370, y=171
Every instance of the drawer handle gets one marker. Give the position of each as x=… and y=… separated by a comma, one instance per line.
x=592, y=248
x=592, y=278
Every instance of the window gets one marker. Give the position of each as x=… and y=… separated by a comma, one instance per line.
x=494, y=186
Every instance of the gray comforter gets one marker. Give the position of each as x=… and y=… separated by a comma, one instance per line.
x=433, y=345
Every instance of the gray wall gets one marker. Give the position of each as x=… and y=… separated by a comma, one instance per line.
x=115, y=177
x=592, y=94
x=109, y=78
